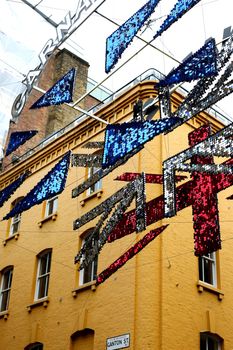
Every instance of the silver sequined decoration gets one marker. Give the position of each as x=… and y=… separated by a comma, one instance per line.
x=219, y=144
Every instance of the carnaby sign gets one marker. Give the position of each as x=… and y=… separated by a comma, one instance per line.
x=64, y=30
x=120, y=342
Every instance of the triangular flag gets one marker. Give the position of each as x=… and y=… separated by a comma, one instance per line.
x=119, y=40
x=201, y=64
x=18, y=138
x=52, y=184
x=121, y=139
x=60, y=92
x=180, y=8
x=6, y=193
x=129, y=254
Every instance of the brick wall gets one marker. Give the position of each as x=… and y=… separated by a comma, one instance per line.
x=48, y=120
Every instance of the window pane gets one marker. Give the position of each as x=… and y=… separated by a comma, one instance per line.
x=208, y=271
x=42, y=287
x=45, y=264
x=4, y=300
x=203, y=344
x=5, y=289
x=212, y=344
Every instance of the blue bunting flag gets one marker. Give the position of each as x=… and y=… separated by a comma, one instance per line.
x=121, y=139
x=60, y=92
x=201, y=64
x=18, y=138
x=180, y=8
x=7, y=192
x=119, y=40
x=52, y=184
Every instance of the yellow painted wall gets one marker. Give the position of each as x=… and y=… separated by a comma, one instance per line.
x=154, y=297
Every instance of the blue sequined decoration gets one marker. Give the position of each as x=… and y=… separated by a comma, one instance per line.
x=121, y=139
x=7, y=192
x=201, y=64
x=52, y=184
x=180, y=8
x=18, y=138
x=119, y=40
x=60, y=92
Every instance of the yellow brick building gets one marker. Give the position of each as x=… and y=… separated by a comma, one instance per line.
x=164, y=298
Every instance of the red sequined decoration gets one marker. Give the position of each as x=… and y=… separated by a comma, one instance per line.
x=150, y=178
x=205, y=202
x=155, y=207
x=122, y=260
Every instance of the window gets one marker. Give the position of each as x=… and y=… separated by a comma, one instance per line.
x=207, y=269
x=210, y=342
x=34, y=346
x=5, y=288
x=15, y=221
x=83, y=339
x=98, y=185
x=43, y=273
x=51, y=206
x=88, y=273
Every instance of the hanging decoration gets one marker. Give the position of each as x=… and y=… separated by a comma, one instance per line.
x=119, y=40
x=219, y=144
x=155, y=208
x=180, y=8
x=52, y=184
x=149, y=178
x=122, y=139
x=125, y=196
x=7, y=192
x=86, y=160
x=194, y=102
x=123, y=259
x=101, y=174
x=60, y=92
x=18, y=138
x=200, y=65
x=205, y=201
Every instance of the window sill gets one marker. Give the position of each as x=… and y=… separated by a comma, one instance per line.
x=89, y=285
x=52, y=217
x=15, y=236
x=202, y=285
x=44, y=302
x=4, y=314
x=97, y=194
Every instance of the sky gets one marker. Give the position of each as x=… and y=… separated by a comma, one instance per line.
x=23, y=34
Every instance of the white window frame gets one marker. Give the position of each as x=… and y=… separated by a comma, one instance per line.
x=6, y=290
x=98, y=185
x=15, y=222
x=53, y=202
x=206, y=337
x=94, y=266
x=211, y=259
x=45, y=275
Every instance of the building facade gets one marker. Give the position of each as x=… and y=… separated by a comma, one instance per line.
x=164, y=298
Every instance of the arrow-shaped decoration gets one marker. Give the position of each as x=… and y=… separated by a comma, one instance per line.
x=119, y=40
x=200, y=65
x=122, y=139
x=60, y=92
x=18, y=138
x=180, y=8
x=50, y=185
x=129, y=254
x=6, y=193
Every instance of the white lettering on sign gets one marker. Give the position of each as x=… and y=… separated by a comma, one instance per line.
x=120, y=342
x=64, y=29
